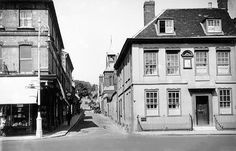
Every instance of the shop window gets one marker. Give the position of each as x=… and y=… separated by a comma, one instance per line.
x=225, y=102
x=26, y=18
x=173, y=102
x=152, y=102
x=201, y=62
x=172, y=63
x=25, y=59
x=150, y=63
x=223, y=62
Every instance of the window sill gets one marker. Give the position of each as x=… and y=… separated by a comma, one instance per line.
x=150, y=75
x=215, y=33
x=227, y=75
x=166, y=34
x=25, y=28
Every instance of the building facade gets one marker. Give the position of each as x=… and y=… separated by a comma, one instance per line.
x=178, y=72
x=27, y=26
x=107, y=85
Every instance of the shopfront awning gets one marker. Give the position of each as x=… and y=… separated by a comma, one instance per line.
x=18, y=90
x=62, y=91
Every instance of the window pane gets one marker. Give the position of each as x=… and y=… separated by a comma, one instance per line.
x=201, y=62
x=26, y=18
x=26, y=66
x=25, y=51
x=172, y=63
x=162, y=27
x=150, y=63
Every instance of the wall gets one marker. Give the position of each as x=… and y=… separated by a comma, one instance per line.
x=184, y=81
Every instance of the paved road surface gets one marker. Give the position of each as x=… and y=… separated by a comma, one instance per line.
x=98, y=133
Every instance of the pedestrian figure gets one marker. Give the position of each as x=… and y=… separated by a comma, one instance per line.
x=68, y=117
x=2, y=126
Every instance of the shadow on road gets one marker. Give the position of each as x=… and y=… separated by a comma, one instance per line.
x=84, y=124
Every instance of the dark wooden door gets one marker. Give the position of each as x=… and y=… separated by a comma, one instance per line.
x=202, y=110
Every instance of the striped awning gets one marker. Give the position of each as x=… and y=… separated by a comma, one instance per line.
x=18, y=90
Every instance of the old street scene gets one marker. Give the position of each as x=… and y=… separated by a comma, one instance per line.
x=117, y=75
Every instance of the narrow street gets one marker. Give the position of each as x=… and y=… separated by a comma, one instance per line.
x=99, y=133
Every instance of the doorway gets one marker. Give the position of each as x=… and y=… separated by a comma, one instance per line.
x=202, y=110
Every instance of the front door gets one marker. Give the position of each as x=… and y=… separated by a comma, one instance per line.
x=202, y=110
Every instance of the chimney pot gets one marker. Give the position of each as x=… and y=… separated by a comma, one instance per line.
x=209, y=4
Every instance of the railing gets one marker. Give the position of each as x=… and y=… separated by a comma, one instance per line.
x=218, y=123
x=139, y=124
x=191, y=121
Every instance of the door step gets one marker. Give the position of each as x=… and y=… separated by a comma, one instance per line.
x=204, y=128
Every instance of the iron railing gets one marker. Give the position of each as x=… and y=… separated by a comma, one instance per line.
x=218, y=123
x=191, y=121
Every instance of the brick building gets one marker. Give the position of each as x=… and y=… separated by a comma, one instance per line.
x=19, y=37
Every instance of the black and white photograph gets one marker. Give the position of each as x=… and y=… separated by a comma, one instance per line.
x=117, y=75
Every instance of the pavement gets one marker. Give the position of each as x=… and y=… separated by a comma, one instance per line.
x=98, y=123
x=62, y=130
x=183, y=133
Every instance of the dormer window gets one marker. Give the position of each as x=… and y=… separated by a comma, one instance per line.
x=213, y=25
x=166, y=26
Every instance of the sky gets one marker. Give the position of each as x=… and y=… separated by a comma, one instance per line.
x=90, y=28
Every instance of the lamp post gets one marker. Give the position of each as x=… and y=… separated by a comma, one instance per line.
x=39, y=131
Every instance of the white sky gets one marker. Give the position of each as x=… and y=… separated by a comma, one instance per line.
x=87, y=26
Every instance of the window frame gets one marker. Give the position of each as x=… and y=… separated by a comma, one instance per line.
x=1, y=59
x=214, y=22
x=149, y=51
x=217, y=63
x=168, y=102
x=231, y=101
x=168, y=29
x=177, y=52
x=25, y=59
x=25, y=18
x=146, y=104
x=196, y=63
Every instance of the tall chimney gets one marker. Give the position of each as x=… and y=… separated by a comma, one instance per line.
x=223, y=4
x=149, y=11
x=209, y=4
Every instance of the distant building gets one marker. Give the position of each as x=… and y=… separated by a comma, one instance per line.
x=228, y=5
x=19, y=28
x=178, y=72
x=107, y=83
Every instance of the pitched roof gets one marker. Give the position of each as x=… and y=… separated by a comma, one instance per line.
x=187, y=28
x=187, y=22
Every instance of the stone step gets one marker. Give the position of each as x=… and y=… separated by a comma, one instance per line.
x=204, y=128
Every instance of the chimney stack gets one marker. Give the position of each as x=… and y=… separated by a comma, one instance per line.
x=149, y=11
x=209, y=4
x=223, y=4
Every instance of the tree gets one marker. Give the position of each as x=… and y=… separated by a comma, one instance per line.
x=83, y=88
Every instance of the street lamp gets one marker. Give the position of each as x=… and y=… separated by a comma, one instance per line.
x=39, y=131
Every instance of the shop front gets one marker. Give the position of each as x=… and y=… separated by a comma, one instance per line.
x=18, y=104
